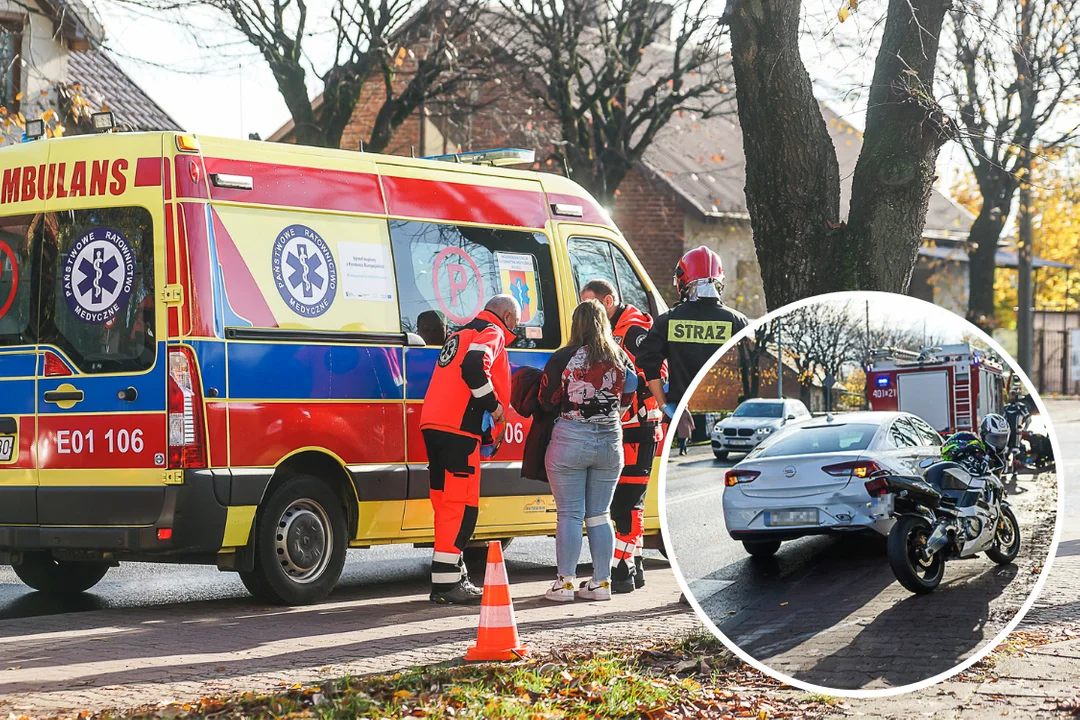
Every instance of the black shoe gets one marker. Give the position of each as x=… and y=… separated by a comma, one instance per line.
x=462, y=593
x=639, y=573
x=622, y=578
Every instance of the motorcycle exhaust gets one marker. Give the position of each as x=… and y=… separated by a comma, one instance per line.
x=939, y=538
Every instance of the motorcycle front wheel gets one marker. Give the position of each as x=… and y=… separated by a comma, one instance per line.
x=1006, y=539
x=916, y=574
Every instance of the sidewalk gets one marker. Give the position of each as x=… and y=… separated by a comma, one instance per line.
x=127, y=658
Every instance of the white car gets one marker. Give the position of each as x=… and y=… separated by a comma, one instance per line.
x=752, y=422
x=807, y=479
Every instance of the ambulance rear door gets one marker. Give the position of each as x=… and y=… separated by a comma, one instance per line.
x=101, y=389
x=20, y=251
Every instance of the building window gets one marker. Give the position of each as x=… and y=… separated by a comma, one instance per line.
x=10, y=67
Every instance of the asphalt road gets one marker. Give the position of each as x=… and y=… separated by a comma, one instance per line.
x=725, y=580
x=722, y=577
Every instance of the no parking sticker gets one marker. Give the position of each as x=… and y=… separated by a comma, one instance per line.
x=461, y=272
x=99, y=273
x=9, y=271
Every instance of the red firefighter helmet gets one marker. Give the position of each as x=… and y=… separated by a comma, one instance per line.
x=697, y=265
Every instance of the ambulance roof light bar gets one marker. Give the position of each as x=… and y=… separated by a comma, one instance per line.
x=495, y=158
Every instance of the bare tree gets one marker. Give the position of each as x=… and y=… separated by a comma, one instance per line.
x=751, y=351
x=430, y=55
x=793, y=179
x=613, y=74
x=820, y=339
x=1014, y=66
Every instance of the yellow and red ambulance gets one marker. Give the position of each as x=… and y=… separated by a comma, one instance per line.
x=212, y=351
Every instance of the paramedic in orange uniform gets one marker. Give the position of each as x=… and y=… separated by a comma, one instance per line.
x=641, y=438
x=469, y=390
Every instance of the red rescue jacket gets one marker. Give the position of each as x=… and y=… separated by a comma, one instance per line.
x=472, y=375
x=630, y=326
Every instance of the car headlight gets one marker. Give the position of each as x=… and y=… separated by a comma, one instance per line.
x=764, y=430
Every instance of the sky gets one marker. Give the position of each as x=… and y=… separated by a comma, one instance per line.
x=899, y=311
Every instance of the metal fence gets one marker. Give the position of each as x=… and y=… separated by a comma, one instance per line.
x=1055, y=370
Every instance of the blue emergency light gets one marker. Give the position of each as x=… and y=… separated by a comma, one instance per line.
x=495, y=158
x=883, y=381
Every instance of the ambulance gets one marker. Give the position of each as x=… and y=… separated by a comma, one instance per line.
x=215, y=351
x=952, y=387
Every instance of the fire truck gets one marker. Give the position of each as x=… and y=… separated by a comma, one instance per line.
x=951, y=387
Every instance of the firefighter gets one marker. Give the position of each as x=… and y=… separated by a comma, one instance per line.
x=687, y=335
x=641, y=437
x=469, y=390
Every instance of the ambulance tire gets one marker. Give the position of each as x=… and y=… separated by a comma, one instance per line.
x=310, y=513
x=43, y=572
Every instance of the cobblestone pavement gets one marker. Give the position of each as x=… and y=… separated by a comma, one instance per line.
x=850, y=625
x=131, y=657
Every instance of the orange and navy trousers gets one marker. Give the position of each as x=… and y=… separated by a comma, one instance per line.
x=628, y=506
x=454, y=476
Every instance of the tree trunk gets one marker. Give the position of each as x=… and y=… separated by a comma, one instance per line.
x=895, y=173
x=982, y=241
x=792, y=177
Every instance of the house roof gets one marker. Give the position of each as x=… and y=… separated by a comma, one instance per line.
x=1002, y=258
x=104, y=83
x=703, y=162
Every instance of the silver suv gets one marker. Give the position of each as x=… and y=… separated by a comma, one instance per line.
x=752, y=422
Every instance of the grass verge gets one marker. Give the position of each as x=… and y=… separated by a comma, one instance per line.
x=691, y=677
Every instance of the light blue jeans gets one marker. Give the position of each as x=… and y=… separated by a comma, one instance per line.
x=584, y=461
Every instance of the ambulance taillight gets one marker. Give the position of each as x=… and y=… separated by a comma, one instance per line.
x=186, y=445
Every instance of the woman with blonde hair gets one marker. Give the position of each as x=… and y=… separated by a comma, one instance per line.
x=589, y=382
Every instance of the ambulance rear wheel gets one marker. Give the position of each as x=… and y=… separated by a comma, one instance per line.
x=41, y=571
x=300, y=543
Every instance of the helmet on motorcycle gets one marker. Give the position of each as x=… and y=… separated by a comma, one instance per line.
x=700, y=274
x=994, y=431
x=967, y=450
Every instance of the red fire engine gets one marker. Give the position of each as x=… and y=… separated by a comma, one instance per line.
x=951, y=387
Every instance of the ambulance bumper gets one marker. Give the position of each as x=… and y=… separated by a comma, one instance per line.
x=125, y=522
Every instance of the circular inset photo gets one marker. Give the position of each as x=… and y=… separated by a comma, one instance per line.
x=868, y=500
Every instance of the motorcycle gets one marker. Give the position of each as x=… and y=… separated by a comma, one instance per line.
x=951, y=513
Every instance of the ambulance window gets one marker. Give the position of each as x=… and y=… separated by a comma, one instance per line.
x=631, y=289
x=16, y=235
x=446, y=273
x=97, y=282
x=591, y=260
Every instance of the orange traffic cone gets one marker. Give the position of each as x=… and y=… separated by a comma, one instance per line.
x=498, y=636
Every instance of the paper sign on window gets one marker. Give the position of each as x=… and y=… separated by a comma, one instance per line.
x=517, y=275
x=365, y=272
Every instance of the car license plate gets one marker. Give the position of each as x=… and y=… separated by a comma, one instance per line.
x=7, y=448
x=738, y=441
x=882, y=505
x=792, y=517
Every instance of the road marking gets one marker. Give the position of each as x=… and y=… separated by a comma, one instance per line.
x=65, y=635
x=693, y=496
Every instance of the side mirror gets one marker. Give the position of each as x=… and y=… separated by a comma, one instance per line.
x=791, y=417
x=927, y=462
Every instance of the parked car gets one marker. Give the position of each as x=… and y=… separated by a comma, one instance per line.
x=752, y=422
x=807, y=479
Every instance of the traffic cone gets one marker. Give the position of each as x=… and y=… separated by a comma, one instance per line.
x=498, y=636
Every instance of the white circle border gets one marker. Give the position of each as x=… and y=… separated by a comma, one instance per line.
x=839, y=692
